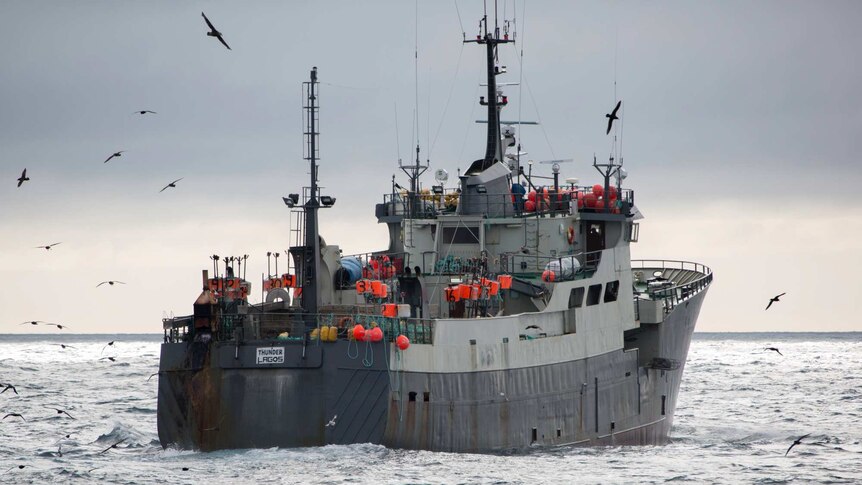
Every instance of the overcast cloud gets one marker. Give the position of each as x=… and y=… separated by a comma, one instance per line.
x=742, y=125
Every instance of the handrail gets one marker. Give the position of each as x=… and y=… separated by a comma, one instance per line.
x=418, y=330
x=674, y=295
x=429, y=205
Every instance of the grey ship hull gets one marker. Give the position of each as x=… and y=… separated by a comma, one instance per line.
x=217, y=397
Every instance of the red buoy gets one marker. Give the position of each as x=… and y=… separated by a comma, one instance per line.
x=598, y=190
x=402, y=342
x=376, y=334
x=532, y=197
x=590, y=200
x=358, y=332
x=530, y=206
x=548, y=276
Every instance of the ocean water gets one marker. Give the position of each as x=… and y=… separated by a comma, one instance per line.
x=739, y=409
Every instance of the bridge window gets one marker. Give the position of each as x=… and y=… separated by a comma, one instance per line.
x=594, y=295
x=459, y=235
x=576, y=297
x=611, y=290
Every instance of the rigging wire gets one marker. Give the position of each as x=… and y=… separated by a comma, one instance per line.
x=520, y=76
x=448, y=98
x=538, y=116
x=416, y=69
x=463, y=32
x=397, y=137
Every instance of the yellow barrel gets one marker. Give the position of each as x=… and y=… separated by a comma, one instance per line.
x=333, y=333
x=314, y=334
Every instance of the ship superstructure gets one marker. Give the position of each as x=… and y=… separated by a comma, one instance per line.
x=504, y=314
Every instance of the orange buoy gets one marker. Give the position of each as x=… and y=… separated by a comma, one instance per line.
x=376, y=334
x=590, y=200
x=390, y=310
x=402, y=342
x=548, y=276
x=598, y=190
x=358, y=332
x=363, y=286
x=530, y=206
x=505, y=281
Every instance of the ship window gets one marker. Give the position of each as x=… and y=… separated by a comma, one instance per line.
x=594, y=294
x=460, y=235
x=426, y=396
x=411, y=397
x=633, y=232
x=535, y=435
x=576, y=297
x=611, y=290
x=663, y=399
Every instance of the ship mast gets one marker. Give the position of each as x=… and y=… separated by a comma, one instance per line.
x=494, y=100
x=311, y=251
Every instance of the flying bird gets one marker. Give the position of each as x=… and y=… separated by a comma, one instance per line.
x=112, y=359
x=34, y=322
x=20, y=467
x=798, y=441
x=61, y=327
x=213, y=32
x=23, y=178
x=116, y=154
x=331, y=421
x=774, y=299
x=143, y=112
x=172, y=184
x=8, y=386
x=59, y=411
x=110, y=283
x=108, y=345
x=112, y=446
x=613, y=116
x=64, y=346
x=151, y=376
x=48, y=247
x=14, y=415
x=774, y=349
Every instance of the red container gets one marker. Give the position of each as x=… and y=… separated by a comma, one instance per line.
x=505, y=281
x=390, y=310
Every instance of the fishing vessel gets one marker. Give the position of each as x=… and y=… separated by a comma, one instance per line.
x=506, y=313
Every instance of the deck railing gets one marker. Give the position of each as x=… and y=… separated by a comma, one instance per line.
x=429, y=205
x=674, y=295
x=292, y=327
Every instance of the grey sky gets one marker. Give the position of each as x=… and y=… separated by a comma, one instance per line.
x=742, y=125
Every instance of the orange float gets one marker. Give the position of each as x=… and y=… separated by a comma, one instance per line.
x=505, y=281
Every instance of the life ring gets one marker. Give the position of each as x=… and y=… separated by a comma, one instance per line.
x=345, y=322
x=570, y=234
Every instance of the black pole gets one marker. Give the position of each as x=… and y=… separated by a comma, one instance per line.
x=312, y=240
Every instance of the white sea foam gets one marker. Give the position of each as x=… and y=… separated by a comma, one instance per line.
x=739, y=409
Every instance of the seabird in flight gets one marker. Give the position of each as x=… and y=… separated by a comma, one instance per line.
x=774, y=299
x=613, y=116
x=7, y=387
x=48, y=247
x=112, y=446
x=110, y=283
x=108, y=345
x=59, y=411
x=14, y=415
x=23, y=178
x=172, y=184
x=112, y=359
x=143, y=112
x=798, y=441
x=116, y=154
x=774, y=349
x=213, y=32
x=331, y=421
